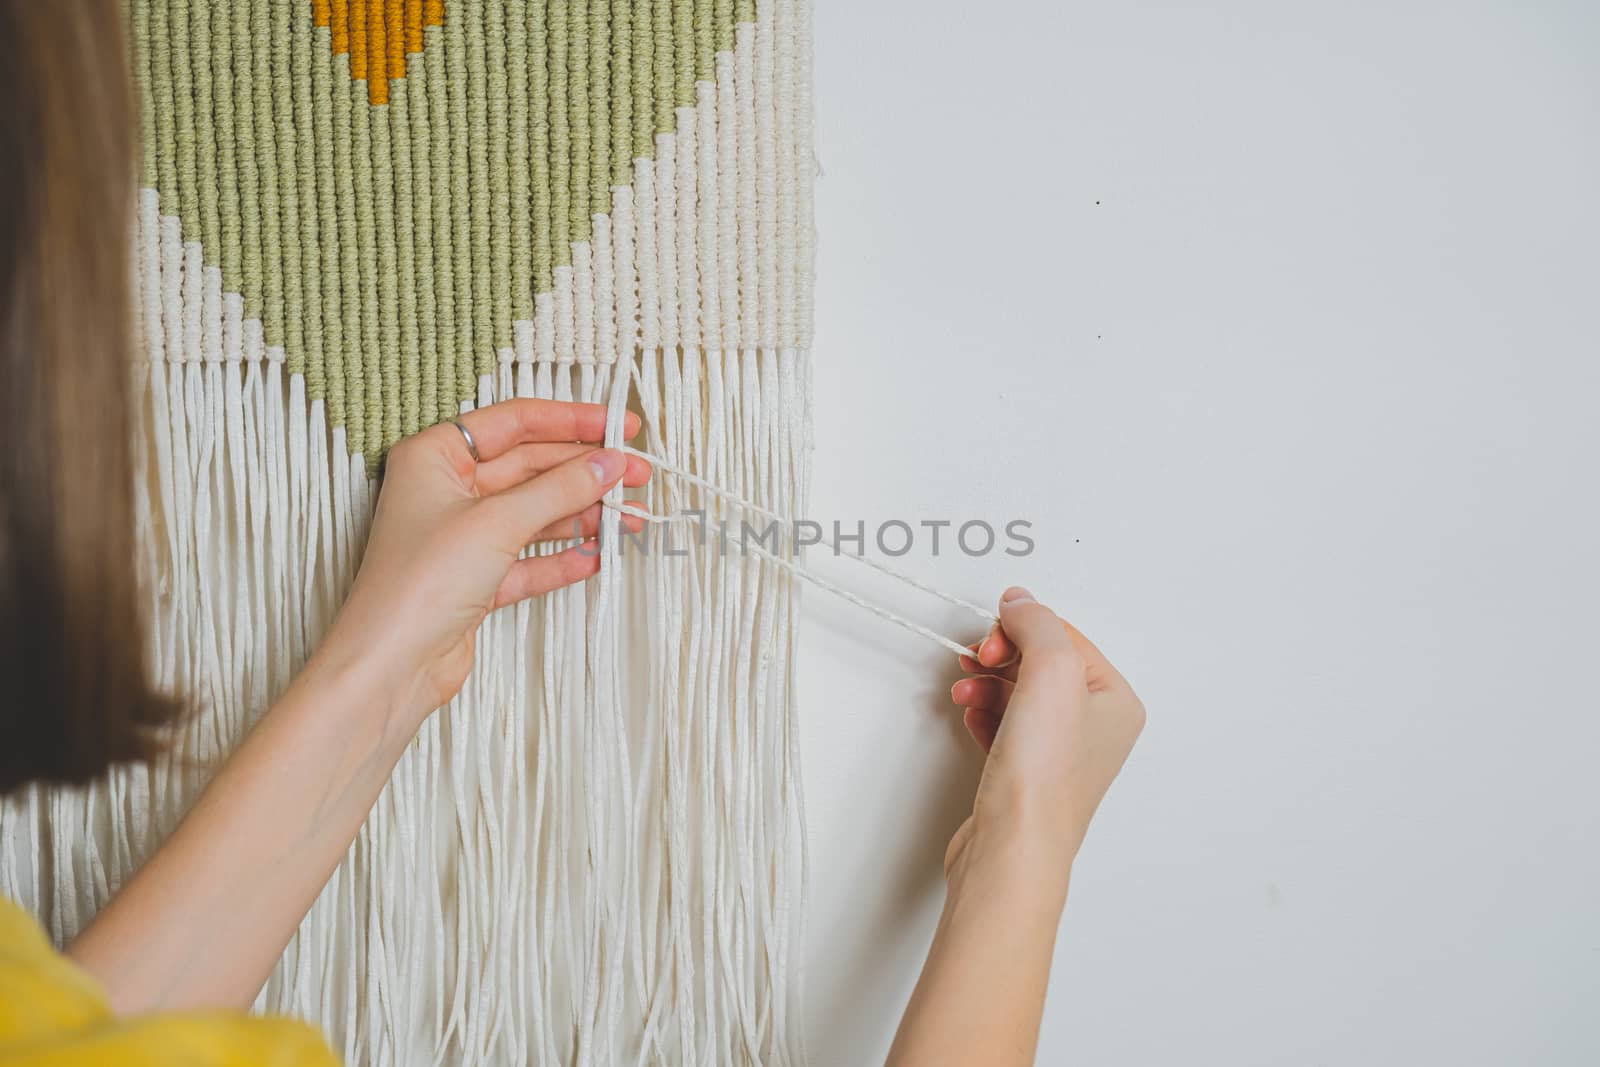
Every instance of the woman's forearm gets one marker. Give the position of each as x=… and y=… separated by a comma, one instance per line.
x=204, y=921
x=981, y=994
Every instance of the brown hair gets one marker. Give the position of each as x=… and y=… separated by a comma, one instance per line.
x=75, y=692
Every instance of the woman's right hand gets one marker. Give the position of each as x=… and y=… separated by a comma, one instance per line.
x=1057, y=721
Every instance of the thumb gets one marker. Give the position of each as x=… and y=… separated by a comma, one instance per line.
x=1041, y=639
x=524, y=510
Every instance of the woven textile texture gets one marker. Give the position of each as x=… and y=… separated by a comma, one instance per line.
x=360, y=218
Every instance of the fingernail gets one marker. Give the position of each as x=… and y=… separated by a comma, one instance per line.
x=953, y=689
x=1016, y=595
x=608, y=465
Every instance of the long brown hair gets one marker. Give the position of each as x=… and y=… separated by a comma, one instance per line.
x=75, y=691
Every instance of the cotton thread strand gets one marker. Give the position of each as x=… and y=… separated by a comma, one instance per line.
x=748, y=505
x=817, y=580
x=801, y=571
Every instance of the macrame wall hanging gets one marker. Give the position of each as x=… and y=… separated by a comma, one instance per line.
x=357, y=219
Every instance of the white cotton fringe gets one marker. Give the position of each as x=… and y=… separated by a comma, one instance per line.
x=595, y=854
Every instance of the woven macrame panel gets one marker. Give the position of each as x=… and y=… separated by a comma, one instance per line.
x=355, y=220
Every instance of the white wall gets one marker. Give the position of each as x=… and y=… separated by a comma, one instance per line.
x=1281, y=321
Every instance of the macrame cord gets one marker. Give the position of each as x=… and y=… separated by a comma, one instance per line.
x=613, y=502
x=357, y=218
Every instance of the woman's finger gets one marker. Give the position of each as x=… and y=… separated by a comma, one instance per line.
x=997, y=650
x=516, y=465
x=1043, y=643
x=537, y=575
x=983, y=691
x=521, y=512
x=586, y=524
x=984, y=649
x=982, y=725
x=498, y=428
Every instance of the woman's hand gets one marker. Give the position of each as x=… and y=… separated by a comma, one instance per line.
x=1057, y=721
x=445, y=541
x=203, y=922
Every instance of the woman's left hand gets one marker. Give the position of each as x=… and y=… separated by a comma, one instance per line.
x=203, y=922
x=445, y=542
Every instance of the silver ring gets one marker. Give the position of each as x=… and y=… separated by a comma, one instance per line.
x=472, y=446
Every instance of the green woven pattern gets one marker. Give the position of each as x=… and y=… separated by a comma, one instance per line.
x=389, y=184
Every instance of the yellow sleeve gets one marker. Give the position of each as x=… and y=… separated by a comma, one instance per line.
x=53, y=1015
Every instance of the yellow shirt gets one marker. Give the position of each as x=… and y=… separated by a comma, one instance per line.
x=53, y=1015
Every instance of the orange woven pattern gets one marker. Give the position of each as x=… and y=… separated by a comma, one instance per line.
x=377, y=36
